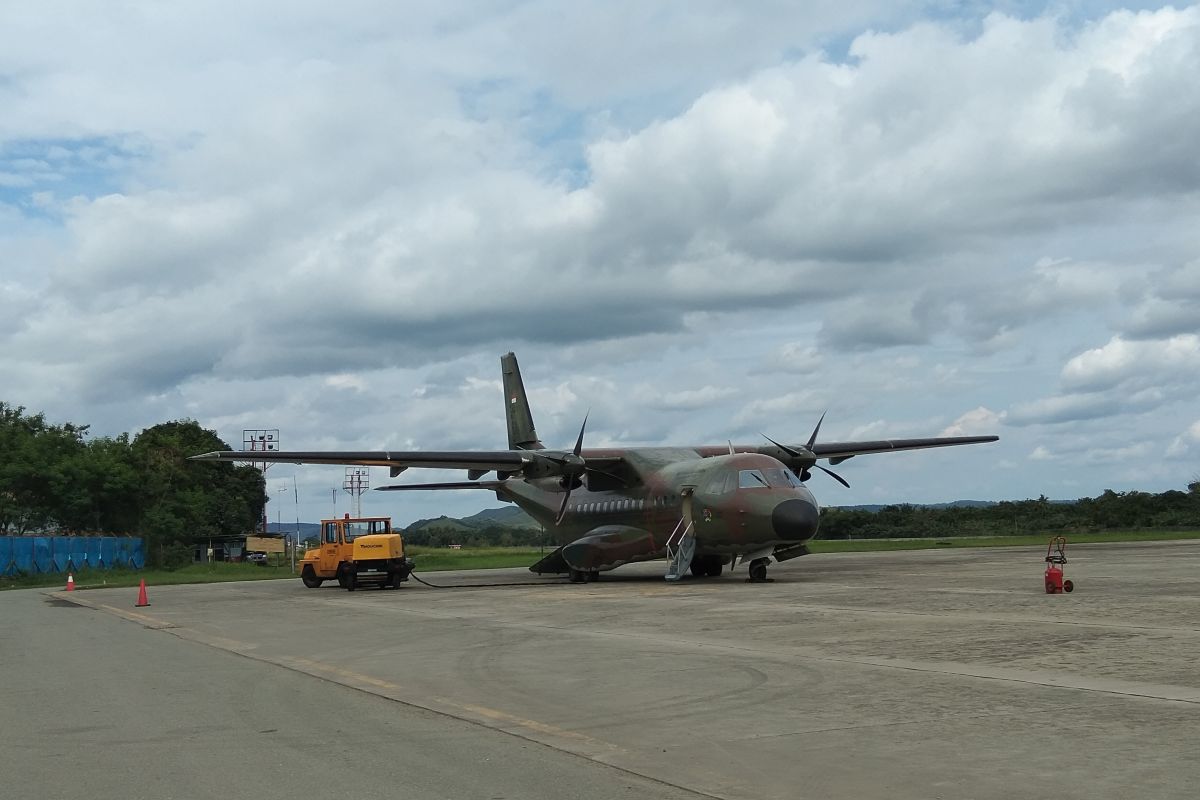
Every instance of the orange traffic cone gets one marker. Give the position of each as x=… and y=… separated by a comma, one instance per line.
x=142, y=601
x=70, y=582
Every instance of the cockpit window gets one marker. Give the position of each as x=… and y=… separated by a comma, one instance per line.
x=775, y=478
x=751, y=479
x=782, y=478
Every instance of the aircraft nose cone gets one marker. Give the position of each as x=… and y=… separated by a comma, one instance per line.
x=795, y=519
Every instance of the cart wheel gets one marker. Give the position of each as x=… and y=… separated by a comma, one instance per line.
x=1068, y=586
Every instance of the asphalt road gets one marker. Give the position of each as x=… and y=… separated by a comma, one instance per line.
x=928, y=674
x=92, y=706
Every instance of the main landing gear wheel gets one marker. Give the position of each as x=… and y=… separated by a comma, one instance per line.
x=758, y=570
x=583, y=576
x=310, y=579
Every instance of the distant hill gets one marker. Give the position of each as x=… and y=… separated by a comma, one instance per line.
x=507, y=517
x=442, y=523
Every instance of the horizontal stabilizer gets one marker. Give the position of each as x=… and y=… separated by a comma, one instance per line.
x=401, y=487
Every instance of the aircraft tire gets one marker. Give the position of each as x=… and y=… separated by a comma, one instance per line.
x=577, y=576
x=713, y=569
x=758, y=570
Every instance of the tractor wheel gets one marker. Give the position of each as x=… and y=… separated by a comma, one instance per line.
x=349, y=578
x=309, y=578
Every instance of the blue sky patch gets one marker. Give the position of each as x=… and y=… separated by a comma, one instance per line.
x=33, y=169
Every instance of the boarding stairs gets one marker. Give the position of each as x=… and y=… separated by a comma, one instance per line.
x=681, y=548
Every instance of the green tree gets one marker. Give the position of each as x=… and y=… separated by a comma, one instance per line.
x=184, y=500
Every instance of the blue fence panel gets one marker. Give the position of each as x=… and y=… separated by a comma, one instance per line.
x=23, y=552
x=44, y=557
x=91, y=551
x=108, y=552
x=64, y=555
x=35, y=554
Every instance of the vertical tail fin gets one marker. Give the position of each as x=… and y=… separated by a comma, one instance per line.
x=521, y=435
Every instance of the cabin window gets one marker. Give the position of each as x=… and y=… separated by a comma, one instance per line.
x=331, y=532
x=751, y=479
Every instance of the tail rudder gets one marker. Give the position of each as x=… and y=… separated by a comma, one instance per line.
x=521, y=434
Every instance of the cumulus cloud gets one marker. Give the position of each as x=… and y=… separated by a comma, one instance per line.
x=977, y=421
x=1186, y=444
x=1171, y=305
x=1120, y=362
x=934, y=218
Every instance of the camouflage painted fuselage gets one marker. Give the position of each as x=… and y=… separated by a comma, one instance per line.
x=732, y=514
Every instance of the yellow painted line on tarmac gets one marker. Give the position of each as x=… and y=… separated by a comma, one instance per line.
x=329, y=669
x=134, y=616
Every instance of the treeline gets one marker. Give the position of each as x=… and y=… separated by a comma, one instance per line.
x=1110, y=511
x=484, y=536
x=57, y=479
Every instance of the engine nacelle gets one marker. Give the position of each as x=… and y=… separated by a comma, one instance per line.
x=608, y=547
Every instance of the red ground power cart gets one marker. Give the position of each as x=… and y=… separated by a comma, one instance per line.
x=1056, y=557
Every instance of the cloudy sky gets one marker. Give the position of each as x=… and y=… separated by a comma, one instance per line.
x=699, y=220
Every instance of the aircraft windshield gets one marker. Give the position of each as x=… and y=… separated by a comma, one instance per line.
x=776, y=478
x=752, y=479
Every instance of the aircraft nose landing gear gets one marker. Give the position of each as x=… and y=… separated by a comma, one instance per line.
x=758, y=571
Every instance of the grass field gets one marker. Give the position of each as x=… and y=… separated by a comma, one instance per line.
x=431, y=559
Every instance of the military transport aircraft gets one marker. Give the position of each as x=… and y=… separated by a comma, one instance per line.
x=701, y=507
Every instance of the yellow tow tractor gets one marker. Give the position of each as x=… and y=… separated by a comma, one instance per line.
x=356, y=552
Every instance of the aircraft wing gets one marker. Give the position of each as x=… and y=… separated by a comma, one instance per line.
x=605, y=471
x=483, y=460
x=840, y=451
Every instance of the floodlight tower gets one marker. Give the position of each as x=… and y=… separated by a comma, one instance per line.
x=356, y=482
x=261, y=440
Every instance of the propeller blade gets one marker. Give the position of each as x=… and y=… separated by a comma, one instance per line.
x=579, y=441
x=813, y=439
x=562, y=509
x=782, y=447
x=833, y=475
